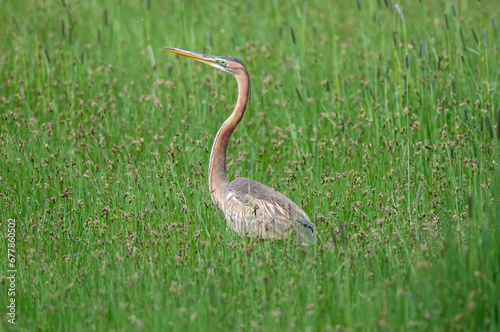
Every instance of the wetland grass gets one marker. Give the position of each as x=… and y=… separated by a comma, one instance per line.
x=387, y=144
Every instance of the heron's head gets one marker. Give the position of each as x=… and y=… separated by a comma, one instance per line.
x=224, y=63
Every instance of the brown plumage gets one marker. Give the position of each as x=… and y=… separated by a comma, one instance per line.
x=251, y=208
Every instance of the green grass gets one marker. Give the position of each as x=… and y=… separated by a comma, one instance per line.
x=104, y=165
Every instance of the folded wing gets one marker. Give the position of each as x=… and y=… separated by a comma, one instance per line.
x=253, y=209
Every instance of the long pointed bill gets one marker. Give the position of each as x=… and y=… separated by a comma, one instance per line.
x=206, y=59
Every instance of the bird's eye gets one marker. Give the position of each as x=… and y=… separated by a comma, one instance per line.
x=223, y=62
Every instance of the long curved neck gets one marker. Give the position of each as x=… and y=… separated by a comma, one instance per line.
x=217, y=176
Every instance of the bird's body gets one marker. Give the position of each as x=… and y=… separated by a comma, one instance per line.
x=254, y=209
x=251, y=208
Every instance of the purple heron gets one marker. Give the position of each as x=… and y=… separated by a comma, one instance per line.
x=251, y=208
